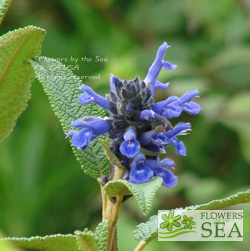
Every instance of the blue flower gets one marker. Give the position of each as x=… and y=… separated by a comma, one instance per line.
x=163, y=139
x=169, y=179
x=136, y=122
x=92, y=127
x=140, y=172
x=173, y=106
x=82, y=138
x=155, y=69
x=130, y=147
x=89, y=96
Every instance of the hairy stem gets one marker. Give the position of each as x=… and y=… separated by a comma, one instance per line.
x=112, y=213
x=104, y=202
x=141, y=245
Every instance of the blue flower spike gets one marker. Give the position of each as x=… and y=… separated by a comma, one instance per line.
x=136, y=122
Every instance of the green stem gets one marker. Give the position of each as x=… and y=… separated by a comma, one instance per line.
x=112, y=213
x=141, y=245
x=111, y=209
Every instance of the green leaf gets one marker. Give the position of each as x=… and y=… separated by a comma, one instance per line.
x=4, y=6
x=6, y=246
x=241, y=197
x=110, y=156
x=101, y=234
x=145, y=232
x=16, y=76
x=61, y=86
x=48, y=243
x=144, y=193
x=86, y=240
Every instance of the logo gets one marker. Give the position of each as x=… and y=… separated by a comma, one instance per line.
x=200, y=225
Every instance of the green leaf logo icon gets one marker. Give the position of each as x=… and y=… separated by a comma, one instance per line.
x=170, y=220
x=188, y=222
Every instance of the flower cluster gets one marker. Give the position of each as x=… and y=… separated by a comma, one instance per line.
x=138, y=128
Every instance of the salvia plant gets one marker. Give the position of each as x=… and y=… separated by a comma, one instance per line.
x=121, y=139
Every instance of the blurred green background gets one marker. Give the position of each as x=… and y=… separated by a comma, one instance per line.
x=42, y=187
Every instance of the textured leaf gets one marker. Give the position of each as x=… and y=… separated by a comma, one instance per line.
x=144, y=193
x=4, y=5
x=101, y=234
x=241, y=197
x=111, y=157
x=86, y=240
x=6, y=246
x=48, y=243
x=147, y=231
x=61, y=86
x=16, y=76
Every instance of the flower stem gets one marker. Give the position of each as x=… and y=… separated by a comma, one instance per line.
x=112, y=213
x=141, y=245
x=104, y=202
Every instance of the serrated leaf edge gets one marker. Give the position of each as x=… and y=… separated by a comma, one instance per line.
x=145, y=207
x=101, y=236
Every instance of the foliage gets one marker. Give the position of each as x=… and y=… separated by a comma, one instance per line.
x=143, y=193
x=210, y=39
x=16, y=47
x=50, y=243
x=61, y=87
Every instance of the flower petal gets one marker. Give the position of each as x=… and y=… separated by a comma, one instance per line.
x=155, y=68
x=97, y=125
x=82, y=138
x=113, y=82
x=147, y=115
x=171, y=111
x=186, y=97
x=161, y=86
x=130, y=148
x=191, y=108
x=96, y=98
x=168, y=66
x=153, y=164
x=167, y=163
x=178, y=129
x=140, y=174
x=169, y=179
x=180, y=148
x=159, y=139
x=85, y=98
x=130, y=133
x=159, y=106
